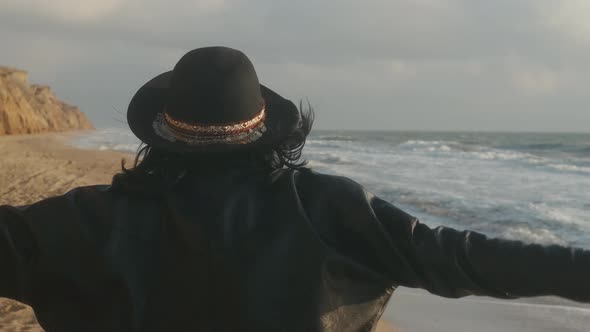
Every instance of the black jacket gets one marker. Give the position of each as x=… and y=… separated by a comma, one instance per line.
x=293, y=251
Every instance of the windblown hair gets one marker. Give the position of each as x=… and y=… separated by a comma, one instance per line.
x=159, y=169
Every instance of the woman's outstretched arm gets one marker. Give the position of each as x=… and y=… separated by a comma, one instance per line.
x=50, y=240
x=444, y=261
x=18, y=250
x=455, y=263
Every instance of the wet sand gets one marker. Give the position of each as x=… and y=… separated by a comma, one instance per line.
x=413, y=310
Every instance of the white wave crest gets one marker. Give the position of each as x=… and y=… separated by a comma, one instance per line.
x=469, y=152
x=571, y=168
x=537, y=235
x=131, y=148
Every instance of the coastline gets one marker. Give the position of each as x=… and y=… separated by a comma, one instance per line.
x=35, y=167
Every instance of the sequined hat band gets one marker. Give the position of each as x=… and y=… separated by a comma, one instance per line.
x=244, y=132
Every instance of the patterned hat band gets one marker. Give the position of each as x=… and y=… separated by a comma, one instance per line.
x=244, y=132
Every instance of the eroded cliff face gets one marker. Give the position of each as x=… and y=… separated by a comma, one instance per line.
x=29, y=108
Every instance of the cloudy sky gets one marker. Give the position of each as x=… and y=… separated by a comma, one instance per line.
x=513, y=65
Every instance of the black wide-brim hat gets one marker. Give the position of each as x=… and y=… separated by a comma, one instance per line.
x=211, y=101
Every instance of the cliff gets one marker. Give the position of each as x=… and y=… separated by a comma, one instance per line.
x=28, y=108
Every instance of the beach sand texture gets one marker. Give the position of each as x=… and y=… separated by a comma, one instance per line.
x=39, y=166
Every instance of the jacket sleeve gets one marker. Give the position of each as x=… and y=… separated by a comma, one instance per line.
x=17, y=252
x=453, y=263
x=53, y=239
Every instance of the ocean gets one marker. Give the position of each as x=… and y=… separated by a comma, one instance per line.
x=528, y=186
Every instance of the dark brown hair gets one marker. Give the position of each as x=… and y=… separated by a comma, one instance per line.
x=159, y=169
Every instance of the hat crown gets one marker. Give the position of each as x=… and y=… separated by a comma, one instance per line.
x=210, y=101
x=214, y=85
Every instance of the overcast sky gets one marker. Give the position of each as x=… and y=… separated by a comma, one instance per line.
x=514, y=65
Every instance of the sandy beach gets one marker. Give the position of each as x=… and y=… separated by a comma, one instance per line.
x=40, y=166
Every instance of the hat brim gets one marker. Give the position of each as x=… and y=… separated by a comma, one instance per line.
x=282, y=117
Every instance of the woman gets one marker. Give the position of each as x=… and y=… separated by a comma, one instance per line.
x=220, y=227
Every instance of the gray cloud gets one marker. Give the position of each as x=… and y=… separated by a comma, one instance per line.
x=410, y=64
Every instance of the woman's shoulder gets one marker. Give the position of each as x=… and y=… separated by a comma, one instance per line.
x=328, y=187
x=310, y=177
